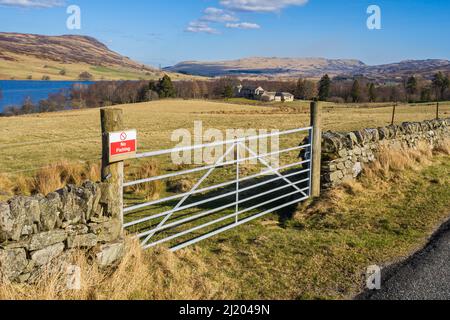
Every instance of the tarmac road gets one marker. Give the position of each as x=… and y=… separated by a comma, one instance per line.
x=424, y=276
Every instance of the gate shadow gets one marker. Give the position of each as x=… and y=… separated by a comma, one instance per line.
x=283, y=214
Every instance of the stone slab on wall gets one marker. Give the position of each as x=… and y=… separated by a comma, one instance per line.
x=36, y=231
x=344, y=154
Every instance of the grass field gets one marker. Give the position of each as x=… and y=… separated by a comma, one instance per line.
x=33, y=141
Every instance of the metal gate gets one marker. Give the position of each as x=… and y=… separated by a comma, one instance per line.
x=178, y=222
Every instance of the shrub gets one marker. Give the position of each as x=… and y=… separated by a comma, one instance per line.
x=150, y=190
x=85, y=76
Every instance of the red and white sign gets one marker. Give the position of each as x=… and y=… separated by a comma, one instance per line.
x=122, y=145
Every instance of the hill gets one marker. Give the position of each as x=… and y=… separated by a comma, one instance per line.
x=64, y=57
x=309, y=68
x=269, y=67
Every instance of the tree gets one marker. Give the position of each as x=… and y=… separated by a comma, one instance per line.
x=305, y=89
x=411, y=87
x=425, y=95
x=196, y=93
x=395, y=94
x=165, y=87
x=85, y=76
x=440, y=84
x=356, y=91
x=324, y=87
x=228, y=91
x=372, y=93
x=28, y=106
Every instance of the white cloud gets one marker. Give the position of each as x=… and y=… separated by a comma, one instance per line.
x=218, y=15
x=227, y=15
x=260, y=5
x=32, y=3
x=243, y=25
x=201, y=27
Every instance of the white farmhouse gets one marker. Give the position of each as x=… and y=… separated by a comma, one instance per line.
x=258, y=93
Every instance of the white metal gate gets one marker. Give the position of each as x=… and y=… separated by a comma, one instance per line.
x=165, y=221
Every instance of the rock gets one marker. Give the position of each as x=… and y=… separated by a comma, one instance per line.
x=46, y=255
x=71, y=211
x=109, y=254
x=45, y=239
x=348, y=164
x=343, y=153
x=12, y=264
x=82, y=241
x=107, y=231
x=22, y=244
x=357, y=151
x=331, y=142
x=353, y=139
x=6, y=222
x=340, y=166
x=77, y=229
x=33, y=216
x=357, y=169
x=50, y=211
x=92, y=197
x=18, y=215
x=336, y=176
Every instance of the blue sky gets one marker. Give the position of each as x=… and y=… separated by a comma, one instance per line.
x=169, y=31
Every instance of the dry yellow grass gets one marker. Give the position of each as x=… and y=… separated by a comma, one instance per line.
x=151, y=190
x=443, y=147
x=49, y=179
x=393, y=161
x=150, y=275
x=62, y=173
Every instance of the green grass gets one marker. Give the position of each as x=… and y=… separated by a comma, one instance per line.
x=324, y=255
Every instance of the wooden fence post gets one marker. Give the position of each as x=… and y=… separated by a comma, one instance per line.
x=437, y=110
x=112, y=173
x=393, y=114
x=316, y=123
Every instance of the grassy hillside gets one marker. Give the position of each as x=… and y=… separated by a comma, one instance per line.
x=25, y=56
x=26, y=66
x=37, y=140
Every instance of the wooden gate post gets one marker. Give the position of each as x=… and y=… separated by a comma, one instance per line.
x=112, y=173
x=316, y=123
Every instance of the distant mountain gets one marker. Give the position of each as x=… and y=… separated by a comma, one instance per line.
x=28, y=55
x=269, y=67
x=425, y=68
x=309, y=67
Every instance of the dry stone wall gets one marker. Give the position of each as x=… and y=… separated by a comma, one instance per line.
x=38, y=231
x=344, y=154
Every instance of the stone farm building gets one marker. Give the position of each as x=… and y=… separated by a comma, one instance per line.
x=258, y=93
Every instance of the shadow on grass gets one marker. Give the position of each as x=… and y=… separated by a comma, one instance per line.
x=254, y=201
